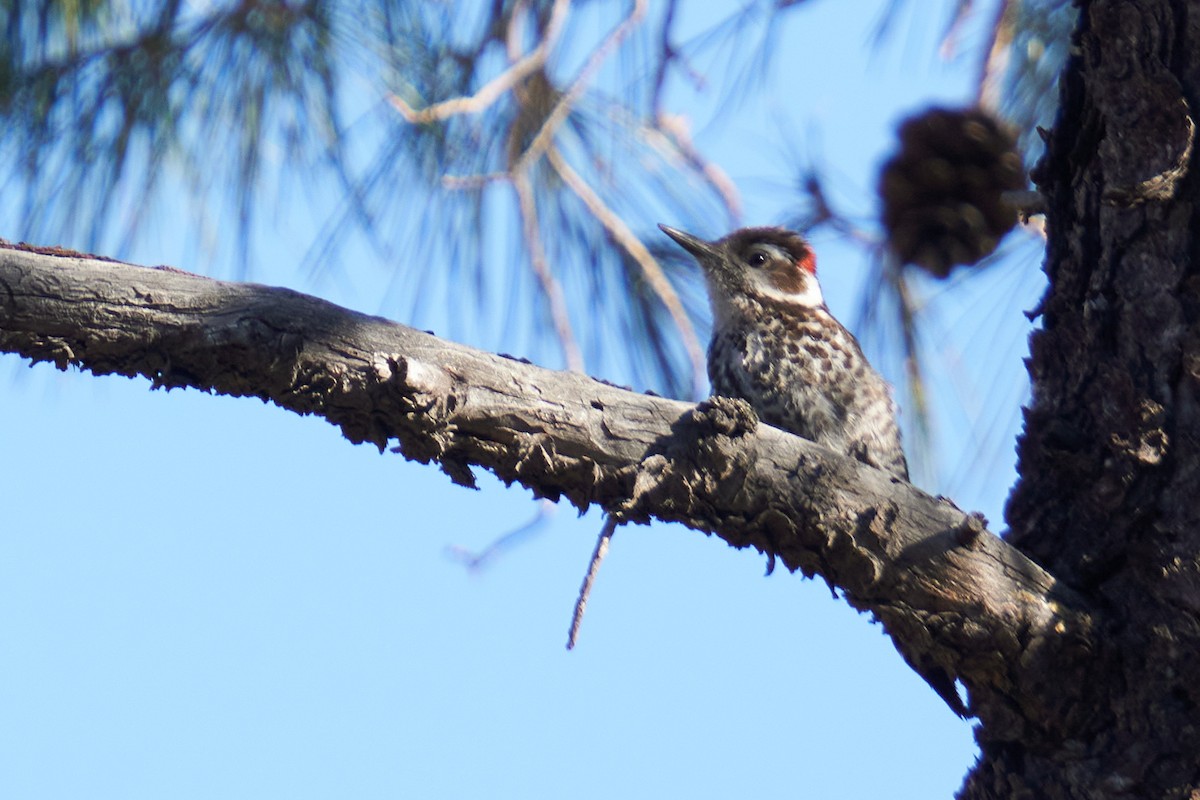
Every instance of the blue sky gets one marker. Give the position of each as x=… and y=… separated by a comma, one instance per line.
x=209, y=597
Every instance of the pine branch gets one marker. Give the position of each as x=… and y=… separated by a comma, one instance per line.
x=958, y=602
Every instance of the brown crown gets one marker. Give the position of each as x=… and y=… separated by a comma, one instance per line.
x=792, y=242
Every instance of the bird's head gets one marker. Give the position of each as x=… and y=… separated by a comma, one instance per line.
x=772, y=263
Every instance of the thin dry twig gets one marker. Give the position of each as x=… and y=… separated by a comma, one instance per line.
x=951, y=39
x=589, y=579
x=632, y=245
x=519, y=173
x=476, y=560
x=996, y=56
x=668, y=54
x=1027, y=202
x=674, y=128
x=616, y=227
x=468, y=182
x=541, y=268
x=907, y=308
x=494, y=89
x=565, y=103
x=823, y=213
x=671, y=55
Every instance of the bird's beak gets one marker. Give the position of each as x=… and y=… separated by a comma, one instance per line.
x=698, y=247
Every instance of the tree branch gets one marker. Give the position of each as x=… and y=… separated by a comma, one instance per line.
x=550, y=286
x=637, y=250
x=958, y=601
x=494, y=89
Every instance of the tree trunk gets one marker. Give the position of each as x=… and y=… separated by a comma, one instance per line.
x=1109, y=460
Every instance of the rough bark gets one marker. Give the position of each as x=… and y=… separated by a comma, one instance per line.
x=957, y=601
x=1109, y=465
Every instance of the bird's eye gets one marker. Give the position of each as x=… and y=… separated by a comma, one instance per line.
x=757, y=258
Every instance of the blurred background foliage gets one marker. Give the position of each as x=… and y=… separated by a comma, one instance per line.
x=525, y=147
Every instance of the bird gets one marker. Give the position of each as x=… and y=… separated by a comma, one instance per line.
x=775, y=345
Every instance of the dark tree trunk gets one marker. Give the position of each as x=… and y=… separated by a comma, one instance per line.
x=1109, y=497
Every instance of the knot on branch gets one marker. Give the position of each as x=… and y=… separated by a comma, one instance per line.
x=970, y=529
x=725, y=416
x=698, y=471
x=422, y=397
x=857, y=556
x=539, y=462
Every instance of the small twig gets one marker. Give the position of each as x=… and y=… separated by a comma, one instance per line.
x=491, y=91
x=1027, y=202
x=996, y=55
x=815, y=189
x=675, y=129
x=906, y=307
x=551, y=288
x=476, y=561
x=568, y=99
x=668, y=53
x=585, y=590
x=824, y=213
x=674, y=55
x=467, y=182
x=653, y=273
x=951, y=38
x=512, y=35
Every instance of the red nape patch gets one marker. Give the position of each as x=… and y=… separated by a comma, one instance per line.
x=808, y=263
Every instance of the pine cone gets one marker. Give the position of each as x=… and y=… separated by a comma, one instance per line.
x=942, y=191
